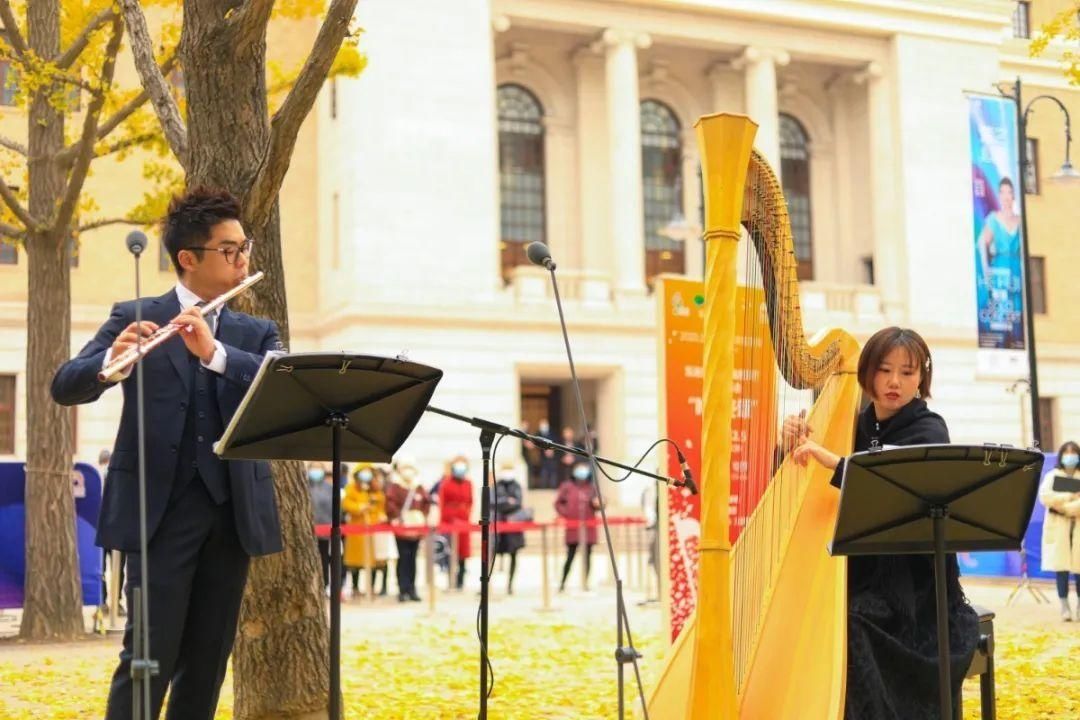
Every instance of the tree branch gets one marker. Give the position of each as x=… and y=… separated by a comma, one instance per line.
x=290, y=116
x=11, y=28
x=250, y=20
x=125, y=144
x=67, y=156
x=11, y=231
x=168, y=112
x=69, y=56
x=14, y=146
x=110, y=221
x=24, y=216
x=86, y=144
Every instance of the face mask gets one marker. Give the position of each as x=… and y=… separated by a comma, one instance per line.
x=458, y=470
x=506, y=478
x=1070, y=460
x=581, y=473
x=544, y=427
x=365, y=476
x=315, y=475
x=408, y=474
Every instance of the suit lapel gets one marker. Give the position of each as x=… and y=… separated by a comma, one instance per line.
x=165, y=308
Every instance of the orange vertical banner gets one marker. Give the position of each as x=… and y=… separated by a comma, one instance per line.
x=682, y=326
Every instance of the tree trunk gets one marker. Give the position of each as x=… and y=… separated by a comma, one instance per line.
x=53, y=603
x=280, y=659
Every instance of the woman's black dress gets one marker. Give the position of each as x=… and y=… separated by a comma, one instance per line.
x=892, y=669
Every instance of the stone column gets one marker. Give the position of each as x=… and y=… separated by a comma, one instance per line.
x=624, y=143
x=592, y=163
x=887, y=220
x=759, y=73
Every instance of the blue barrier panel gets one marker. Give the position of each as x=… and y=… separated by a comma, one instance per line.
x=86, y=485
x=1008, y=564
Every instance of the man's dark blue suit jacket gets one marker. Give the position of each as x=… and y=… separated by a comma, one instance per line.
x=167, y=373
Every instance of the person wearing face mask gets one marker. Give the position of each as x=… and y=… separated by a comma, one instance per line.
x=508, y=508
x=407, y=505
x=892, y=653
x=365, y=504
x=1061, y=534
x=549, y=463
x=577, y=503
x=456, y=502
x=322, y=497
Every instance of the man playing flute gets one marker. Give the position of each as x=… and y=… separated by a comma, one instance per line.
x=206, y=517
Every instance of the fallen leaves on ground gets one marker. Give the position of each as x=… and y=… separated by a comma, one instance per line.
x=547, y=667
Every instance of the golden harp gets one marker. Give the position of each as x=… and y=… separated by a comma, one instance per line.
x=768, y=638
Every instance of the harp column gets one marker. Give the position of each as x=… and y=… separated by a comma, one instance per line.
x=759, y=65
x=624, y=146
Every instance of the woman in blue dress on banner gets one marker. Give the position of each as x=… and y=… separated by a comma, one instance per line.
x=1000, y=252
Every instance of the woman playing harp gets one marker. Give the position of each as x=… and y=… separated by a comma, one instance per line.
x=892, y=662
x=769, y=634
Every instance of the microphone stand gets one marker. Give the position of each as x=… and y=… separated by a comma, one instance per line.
x=143, y=667
x=539, y=254
x=488, y=431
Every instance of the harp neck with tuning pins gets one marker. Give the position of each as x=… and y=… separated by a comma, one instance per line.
x=768, y=638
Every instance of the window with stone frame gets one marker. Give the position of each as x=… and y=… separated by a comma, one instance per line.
x=662, y=188
x=795, y=178
x=521, y=174
x=1031, y=166
x=1021, y=19
x=9, y=83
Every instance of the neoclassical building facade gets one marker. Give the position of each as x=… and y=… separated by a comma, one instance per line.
x=472, y=132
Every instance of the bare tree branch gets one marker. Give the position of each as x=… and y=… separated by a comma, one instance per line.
x=250, y=20
x=14, y=146
x=290, y=116
x=28, y=220
x=69, y=56
x=93, y=113
x=67, y=156
x=11, y=231
x=168, y=112
x=94, y=225
x=11, y=28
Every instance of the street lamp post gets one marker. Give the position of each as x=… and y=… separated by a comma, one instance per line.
x=1067, y=173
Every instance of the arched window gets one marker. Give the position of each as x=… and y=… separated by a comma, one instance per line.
x=521, y=174
x=795, y=174
x=661, y=182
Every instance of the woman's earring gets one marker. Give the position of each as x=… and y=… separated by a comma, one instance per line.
x=918, y=394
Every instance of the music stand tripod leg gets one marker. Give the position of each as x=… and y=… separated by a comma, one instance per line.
x=938, y=514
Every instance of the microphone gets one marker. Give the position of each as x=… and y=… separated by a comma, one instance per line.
x=540, y=254
x=688, y=478
x=136, y=242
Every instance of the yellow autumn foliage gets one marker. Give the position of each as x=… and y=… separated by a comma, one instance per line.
x=405, y=665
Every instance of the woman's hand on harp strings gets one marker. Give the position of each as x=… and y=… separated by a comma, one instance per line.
x=128, y=338
x=796, y=431
x=196, y=334
x=810, y=449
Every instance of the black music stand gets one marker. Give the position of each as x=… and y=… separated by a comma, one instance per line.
x=329, y=406
x=936, y=499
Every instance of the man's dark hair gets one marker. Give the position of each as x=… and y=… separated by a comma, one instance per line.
x=882, y=343
x=192, y=216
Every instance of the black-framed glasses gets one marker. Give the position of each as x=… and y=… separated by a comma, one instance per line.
x=229, y=252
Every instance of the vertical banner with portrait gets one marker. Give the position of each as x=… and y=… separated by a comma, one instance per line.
x=998, y=235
